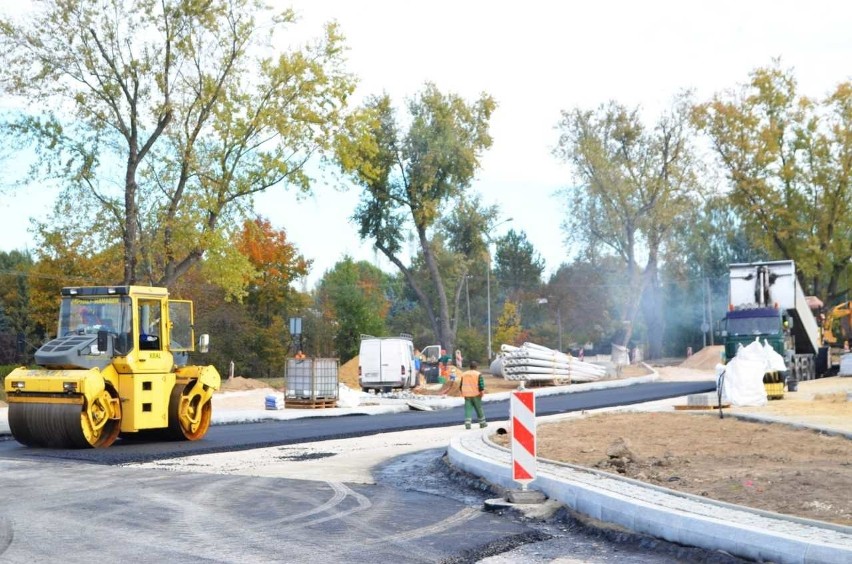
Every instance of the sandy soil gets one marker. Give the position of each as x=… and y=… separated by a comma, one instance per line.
x=774, y=467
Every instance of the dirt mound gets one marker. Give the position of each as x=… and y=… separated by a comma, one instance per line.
x=348, y=374
x=238, y=383
x=705, y=359
x=771, y=467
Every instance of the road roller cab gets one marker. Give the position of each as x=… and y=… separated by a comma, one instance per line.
x=117, y=365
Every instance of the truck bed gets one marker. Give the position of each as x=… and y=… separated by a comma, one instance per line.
x=784, y=291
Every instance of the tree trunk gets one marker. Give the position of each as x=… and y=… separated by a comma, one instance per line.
x=446, y=336
x=131, y=218
x=412, y=282
x=653, y=312
x=461, y=285
x=633, y=302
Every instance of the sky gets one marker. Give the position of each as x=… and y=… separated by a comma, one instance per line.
x=536, y=58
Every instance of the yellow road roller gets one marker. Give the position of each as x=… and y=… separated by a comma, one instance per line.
x=118, y=365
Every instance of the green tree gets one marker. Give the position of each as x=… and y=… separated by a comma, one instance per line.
x=411, y=175
x=464, y=229
x=517, y=266
x=15, y=303
x=696, y=271
x=473, y=346
x=634, y=185
x=713, y=237
x=518, y=269
x=405, y=314
x=788, y=160
x=582, y=296
x=174, y=113
x=355, y=292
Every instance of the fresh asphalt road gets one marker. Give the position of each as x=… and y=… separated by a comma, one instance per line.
x=60, y=511
x=223, y=438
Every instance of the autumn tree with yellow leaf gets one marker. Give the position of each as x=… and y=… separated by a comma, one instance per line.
x=788, y=161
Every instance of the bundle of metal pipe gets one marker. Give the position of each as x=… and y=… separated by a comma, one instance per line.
x=535, y=362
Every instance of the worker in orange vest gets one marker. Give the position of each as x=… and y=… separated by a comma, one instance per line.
x=472, y=385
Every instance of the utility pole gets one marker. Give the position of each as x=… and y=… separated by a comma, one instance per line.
x=467, y=295
x=710, y=309
x=559, y=324
x=704, y=310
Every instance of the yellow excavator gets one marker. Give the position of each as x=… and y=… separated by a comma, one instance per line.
x=837, y=332
x=837, y=326
x=117, y=366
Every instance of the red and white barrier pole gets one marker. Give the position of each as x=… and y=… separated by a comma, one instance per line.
x=523, y=437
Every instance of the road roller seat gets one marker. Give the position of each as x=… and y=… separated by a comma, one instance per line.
x=149, y=342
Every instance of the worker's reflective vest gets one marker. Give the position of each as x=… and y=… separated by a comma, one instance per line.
x=470, y=383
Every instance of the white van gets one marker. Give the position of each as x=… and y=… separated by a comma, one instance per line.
x=386, y=362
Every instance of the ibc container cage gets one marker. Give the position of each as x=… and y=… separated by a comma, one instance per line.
x=312, y=379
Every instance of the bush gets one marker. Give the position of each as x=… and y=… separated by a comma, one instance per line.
x=473, y=346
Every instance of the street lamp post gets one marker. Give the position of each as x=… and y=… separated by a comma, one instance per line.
x=488, y=295
x=488, y=283
x=559, y=324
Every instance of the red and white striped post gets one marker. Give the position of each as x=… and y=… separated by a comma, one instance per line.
x=523, y=437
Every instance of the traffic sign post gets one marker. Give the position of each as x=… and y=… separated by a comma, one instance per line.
x=523, y=437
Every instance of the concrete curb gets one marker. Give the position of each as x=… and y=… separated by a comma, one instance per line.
x=675, y=517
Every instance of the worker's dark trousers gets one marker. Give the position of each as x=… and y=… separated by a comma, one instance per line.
x=471, y=404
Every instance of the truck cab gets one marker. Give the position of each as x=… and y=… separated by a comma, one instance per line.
x=743, y=326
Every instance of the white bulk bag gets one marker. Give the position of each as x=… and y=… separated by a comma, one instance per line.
x=774, y=361
x=742, y=384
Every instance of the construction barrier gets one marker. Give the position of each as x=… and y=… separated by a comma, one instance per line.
x=523, y=437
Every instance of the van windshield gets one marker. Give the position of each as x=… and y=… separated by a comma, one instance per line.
x=431, y=353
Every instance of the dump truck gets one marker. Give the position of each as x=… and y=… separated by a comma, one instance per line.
x=118, y=365
x=766, y=302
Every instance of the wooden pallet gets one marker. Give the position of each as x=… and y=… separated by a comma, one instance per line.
x=309, y=403
x=700, y=407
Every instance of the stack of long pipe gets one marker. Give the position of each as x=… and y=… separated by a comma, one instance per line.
x=534, y=362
